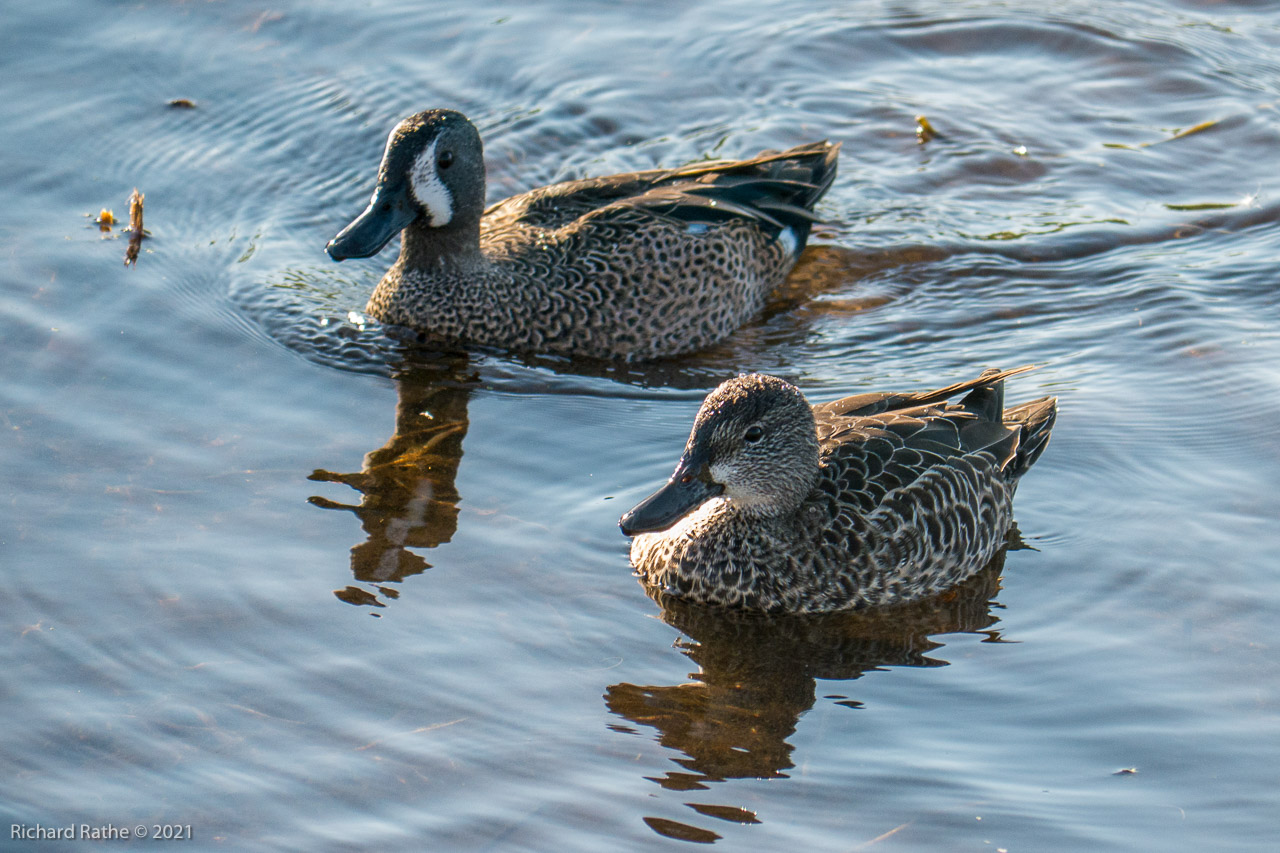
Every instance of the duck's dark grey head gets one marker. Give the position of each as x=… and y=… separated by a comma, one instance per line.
x=754, y=441
x=432, y=175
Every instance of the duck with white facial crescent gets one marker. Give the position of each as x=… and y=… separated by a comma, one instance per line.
x=629, y=266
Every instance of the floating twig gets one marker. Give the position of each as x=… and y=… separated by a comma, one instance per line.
x=1202, y=126
x=1182, y=134
x=135, y=228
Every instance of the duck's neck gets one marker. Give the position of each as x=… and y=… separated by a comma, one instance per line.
x=455, y=248
x=779, y=510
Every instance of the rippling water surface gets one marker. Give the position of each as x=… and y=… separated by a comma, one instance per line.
x=272, y=574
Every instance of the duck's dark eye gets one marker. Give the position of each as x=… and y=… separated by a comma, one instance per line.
x=445, y=160
x=754, y=433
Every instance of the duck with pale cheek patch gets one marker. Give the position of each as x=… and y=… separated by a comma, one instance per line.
x=629, y=266
x=874, y=499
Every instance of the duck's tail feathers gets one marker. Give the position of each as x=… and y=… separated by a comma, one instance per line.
x=986, y=393
x=985, y=397
x=808, y=170
x=776, y=188
x=813, y=166
x=1034, y=421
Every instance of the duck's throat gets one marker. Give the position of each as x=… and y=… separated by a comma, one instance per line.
x=424, y=287
x=455, y=248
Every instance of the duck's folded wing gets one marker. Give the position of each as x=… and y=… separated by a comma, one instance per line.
x=868, y=457
x=875, y=443
x=776, y=189
x=875, y=403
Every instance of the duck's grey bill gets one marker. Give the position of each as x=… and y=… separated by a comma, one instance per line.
x=672, y=502
x=383, y=219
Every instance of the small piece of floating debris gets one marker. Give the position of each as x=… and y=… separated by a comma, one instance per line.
x=135, y=228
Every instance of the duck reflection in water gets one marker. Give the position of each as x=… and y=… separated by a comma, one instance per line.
x=409, y=497
x=758, y=674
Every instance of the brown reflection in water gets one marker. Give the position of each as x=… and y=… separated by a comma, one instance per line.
x=757, y=675
x=825, y=267
x=828, y=267
x=409, y=497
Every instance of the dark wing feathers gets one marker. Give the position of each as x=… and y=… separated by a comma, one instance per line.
x=857, y=405
x=777, y=189
x=788, y=211
x=861, y=405
x=688, y=203
x=822, y=156
x=874, y=443
x=995, y=438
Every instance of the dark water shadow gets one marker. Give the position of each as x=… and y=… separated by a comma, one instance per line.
x=757, y=675
x=408, y=492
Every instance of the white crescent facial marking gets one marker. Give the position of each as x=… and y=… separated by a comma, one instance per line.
x=428, y=189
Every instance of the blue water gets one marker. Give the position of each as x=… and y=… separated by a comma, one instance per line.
x=270, y=574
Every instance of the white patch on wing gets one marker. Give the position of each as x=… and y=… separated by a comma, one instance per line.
x=428, y=189
x=787, y=237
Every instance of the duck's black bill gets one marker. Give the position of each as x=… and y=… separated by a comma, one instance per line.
x=385, y=217
x=685, y=491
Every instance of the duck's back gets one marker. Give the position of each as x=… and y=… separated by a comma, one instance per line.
x=776, y=189
x=648, y=263
x=919, y=491
x=895, y=438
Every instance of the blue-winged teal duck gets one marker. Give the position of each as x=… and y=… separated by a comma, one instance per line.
x=626, y=266
x=874, y=499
